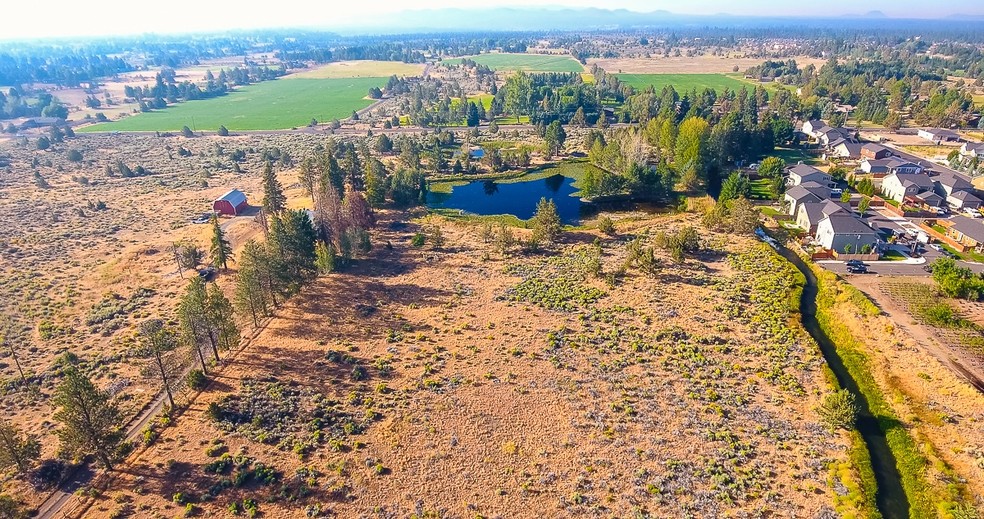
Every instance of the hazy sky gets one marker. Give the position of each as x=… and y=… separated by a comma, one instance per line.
x=106, y=17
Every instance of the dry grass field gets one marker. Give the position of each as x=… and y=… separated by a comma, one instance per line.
x=457, y=382
x=349, y=69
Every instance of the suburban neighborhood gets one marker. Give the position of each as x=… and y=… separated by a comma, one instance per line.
x=890, y=206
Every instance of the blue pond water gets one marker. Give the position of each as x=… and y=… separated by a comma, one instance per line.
x=485, y=197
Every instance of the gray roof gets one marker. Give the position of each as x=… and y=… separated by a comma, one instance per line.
x=966, y=196
x=914, y=179
x=871, y=146
x=979, y=146
x=942, y=131
x=816, y=211
x=969, y=227
x=953, y=180
x=803, y=170
x=853, y=148
x=235, y=197
x=844, y=223
x=800, y=193
x=929, y=196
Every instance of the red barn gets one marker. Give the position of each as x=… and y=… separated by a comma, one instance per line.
x=231, y=203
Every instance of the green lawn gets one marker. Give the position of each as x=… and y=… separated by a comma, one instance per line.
x=270, y=105
x=794, y=155
x=683, y=82
x=528, y=62
x=761, y=189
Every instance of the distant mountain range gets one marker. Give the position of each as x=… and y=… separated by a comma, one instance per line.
x=546, y=18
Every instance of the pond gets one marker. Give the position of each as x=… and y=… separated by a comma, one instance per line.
x=487, y=197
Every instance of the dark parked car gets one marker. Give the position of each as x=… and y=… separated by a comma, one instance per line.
x=855, y=263
x=857, y=269
x=207, y=273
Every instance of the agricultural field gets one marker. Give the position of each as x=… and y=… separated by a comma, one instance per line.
x=445, y=382
x=528, y=62
x=269, y=105
x=683, y=82
x=366, y=68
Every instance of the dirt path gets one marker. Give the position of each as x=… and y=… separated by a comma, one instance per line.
x=965, y=364
x=60, y=504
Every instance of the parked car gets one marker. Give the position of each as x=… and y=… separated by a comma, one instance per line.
x=935, y=247
x=940, y=211
x=857, y=269
x=973, y=213
x=836, y=192
x=205, y=218
x=207, y=273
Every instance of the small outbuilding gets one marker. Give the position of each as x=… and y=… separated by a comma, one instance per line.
x=231, y=203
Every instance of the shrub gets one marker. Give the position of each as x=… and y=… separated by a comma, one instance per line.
x=839, y=410
x=606, y=225
x=196, y=379
x=418, y=239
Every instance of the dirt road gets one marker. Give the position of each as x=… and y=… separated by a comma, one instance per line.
x=964, y=363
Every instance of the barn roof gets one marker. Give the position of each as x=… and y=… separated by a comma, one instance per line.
x=234, y=197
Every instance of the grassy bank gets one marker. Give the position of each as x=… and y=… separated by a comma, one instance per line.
x=926, y=497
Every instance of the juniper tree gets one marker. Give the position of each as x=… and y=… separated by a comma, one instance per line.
x=159, y=342
x=220, y=252
x=90, y=421
x=546, y=221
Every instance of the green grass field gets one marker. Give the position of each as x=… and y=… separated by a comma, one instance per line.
x=528, y=62
x=683, y=82
x=270, y=105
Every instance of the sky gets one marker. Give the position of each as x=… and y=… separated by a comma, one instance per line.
x=111, y=17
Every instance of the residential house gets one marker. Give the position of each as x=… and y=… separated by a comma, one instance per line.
x=947, y=183
x=939, y=135
x=812, y=126
x=875, y=151
x=839, y=230
x=927, y=199
x=966, y=231
x=882, y=167
x=809, y=214
x=808, y=192
x=846, y=149
x=830, y=135
x=898, y=186
x=801, y=173
x=963, y=200
x=972, y=149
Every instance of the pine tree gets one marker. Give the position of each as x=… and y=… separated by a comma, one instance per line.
x=16, y=448
x=249, y=298
x=274, y=200
x=196, y=329
x=325, y=257
x=159, y=343
x=222, y=318
x=221, y=251
x=579, y=119
x=90, y=421
x=376, y=182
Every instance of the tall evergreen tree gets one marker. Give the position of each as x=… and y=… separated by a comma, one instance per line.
x=249, y=298
x=220, y=251
x=90, y=421
x=196, y=328
x=159, y=343
x=221, y=315
x=274, y=200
